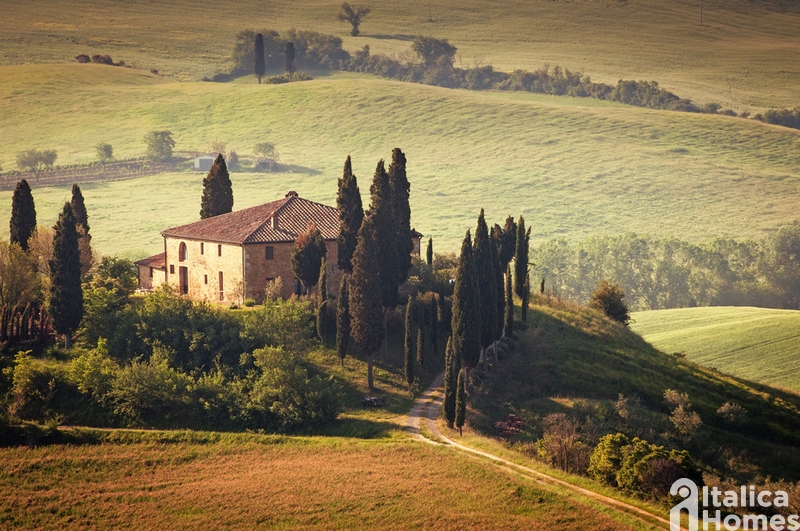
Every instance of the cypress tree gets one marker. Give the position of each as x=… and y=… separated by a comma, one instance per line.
x=217, y=191
x=465, y=322
x=288, y=59
x=351, y=215
x=408, y=347
x=521, y=257
x=323, y=321
x=343, y=320
x=66, y=295
x=451, y=367
x=382, y=209
x=508, y=242
x=434, y=327
x=401, y=191
x=421, y=346
x=429, y=252
x=260, y=66
x=500, y=292
x=485, y=280
x=461, y=400
x=509, y=303
x=365, y=294
x=79, y=209
x=323, y=280
x=23, y=215
x=526, y=292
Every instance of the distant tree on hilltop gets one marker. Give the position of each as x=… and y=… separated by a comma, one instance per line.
x=159, y=145
x=353, y=15
x=259, y=68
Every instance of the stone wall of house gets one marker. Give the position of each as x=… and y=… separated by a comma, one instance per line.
x=150, y=278
x=259, y=269
x=204, y=262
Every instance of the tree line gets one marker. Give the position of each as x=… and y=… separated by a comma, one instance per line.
x=657, y=273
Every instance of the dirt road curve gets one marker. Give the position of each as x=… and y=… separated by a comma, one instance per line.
x=424, y=414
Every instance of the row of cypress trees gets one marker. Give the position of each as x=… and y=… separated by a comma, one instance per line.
x=66, y=293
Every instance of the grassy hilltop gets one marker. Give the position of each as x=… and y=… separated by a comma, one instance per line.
x=744, y=56
x=573, y=167
x=754, y=343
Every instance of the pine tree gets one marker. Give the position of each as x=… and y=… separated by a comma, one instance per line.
x=429, y=252
x=260, y=66
x=451, y=367
x=23, y=215
x=521, y=257
x=421, y=346
x=526, y=293
x=384, y=225
x=365, y=294
x=217, y=191
x=509, y=303
x=485, y=281
x=401, y=191
x=408, y=346
x=343, y=320
x=465, y=322
x=66, y=295
x=434, y=328
x=308, y=253
x=351, y=215
x=461, y=400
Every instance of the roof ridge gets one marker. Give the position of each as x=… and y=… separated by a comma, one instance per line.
x=286, y=201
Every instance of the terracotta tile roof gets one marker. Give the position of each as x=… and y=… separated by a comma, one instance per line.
x=255, y=224
x=157, y=260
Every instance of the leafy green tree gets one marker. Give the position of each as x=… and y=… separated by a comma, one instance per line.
x=259, y=68
x=351, y=215
x=353, y=15
x=401, y=210
x=159, y=145
x=308, y=254
x=19, y=283
x=23, y=215
x=35, y=161
x=365, y=294
x=66, y=293
x=521, y=257
x=430, y=50
x=466, y=303
x=408, y=345
x=288, y=59
x=105, y=153
x=429, y=252
x=452, y=366
x=461, y=400
x=217, y=190
x=487, y=291
x=610, y=299
x=343, y=319
x=509, y=303
x=266, y=150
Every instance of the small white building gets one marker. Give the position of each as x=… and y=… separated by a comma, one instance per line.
x=204, y=162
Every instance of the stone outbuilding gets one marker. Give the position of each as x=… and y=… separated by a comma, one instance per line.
x=204, y=162
x=152, y=272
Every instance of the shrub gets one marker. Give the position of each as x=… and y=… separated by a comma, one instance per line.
x=280, y=323
x=249, y=303
x=273, y=289
x=733, y=413
x=686, y=421
x=561, y=446
x=93, y=372
x=102, y=59
x=609, y=299
x=34, y=388
x=104, y=151
x=83, y=58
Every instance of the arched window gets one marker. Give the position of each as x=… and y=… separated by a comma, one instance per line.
x=182, y=252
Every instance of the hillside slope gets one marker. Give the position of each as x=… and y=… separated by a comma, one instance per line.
x=758, y=344
x=573, y=167
x=744, y=55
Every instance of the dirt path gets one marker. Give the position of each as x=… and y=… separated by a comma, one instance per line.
x=426, y=411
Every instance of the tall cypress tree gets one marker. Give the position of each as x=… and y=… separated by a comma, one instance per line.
x=429, y=252
x=499, y=285
x=365, y=294
x=23, y=215
x=351, y=215
x=259, y=68
x=434, y=328
x=288, y=59
x=408, y=346
x=217, y=190
x=451, y=368
x=521, y=257
x=323, y=281
x=66, y=295
x=508, y=242
x=343, y=320
x=381, y=208
x=526, y=293
x=79, y=209
x=401, y=191
x=461, y=400
x=487, y=292
x=323, y=306
x=509, y=303
x=466, y=302
x=421, y=346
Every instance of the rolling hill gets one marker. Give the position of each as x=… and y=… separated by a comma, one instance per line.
x=756, y=344
x=573, y=167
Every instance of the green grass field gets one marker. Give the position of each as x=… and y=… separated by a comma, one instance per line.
x=573, y=167
x=753, y=343
x=743, y=56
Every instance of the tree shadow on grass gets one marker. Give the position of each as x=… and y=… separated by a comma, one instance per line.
x=391, y=37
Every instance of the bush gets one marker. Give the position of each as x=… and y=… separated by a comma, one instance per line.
x=105, y=152
x=34, y=388
x=561, y=446
x=609, y=299
x=93, y=372
x=249, y=303
x=280, y=323
x=733, y=413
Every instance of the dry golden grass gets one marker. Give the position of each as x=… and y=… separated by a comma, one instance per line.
x=292, y=484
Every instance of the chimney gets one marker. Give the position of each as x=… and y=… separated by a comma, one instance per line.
x=275, y=220
x=291, y=193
